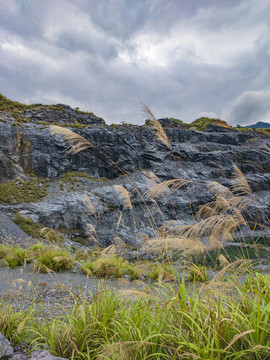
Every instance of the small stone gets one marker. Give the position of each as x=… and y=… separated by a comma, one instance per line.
x=5, y=348
x=43, y=355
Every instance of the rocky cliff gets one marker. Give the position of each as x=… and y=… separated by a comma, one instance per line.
x=28, y=150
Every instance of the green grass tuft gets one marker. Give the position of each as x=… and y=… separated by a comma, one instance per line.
x=18, y=191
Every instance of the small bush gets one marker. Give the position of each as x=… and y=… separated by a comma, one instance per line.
x=110, y=266
x=53, y=258
x=12, y=256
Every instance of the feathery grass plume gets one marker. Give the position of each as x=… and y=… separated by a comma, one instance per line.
x=119, y=220
x=237, y=269
x=156, y=208
x=240, y=185
x=182, y=244
x=89, y=203
x=144, y=238
x=50, y=234
x=151, y=176
x=223, y=261
x=172, y=185
x=90, y=229
x=214, y=243
x=124, y=196
x=109, y=250
x=218, y=226
x=160, y=133
x=76, y=142
x=118, y=241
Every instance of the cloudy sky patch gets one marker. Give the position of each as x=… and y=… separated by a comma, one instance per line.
x=182, y=58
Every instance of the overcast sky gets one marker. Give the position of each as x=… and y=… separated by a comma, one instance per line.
x=183, y=58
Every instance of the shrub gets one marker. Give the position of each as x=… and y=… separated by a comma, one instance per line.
x=12, y=256
x=53, y=258
x=110, y=266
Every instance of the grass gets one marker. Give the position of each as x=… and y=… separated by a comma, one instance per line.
x=43, y=258
x=198, y=273
x=71, y=178
x=17, y=110
x=18, y=191
x=110, y=266
x=199, y=124
x=12, y=256
x=53, y=259
x=178, y=324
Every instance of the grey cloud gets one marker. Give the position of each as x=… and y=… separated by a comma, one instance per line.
x=250, y=107
x=92, y=54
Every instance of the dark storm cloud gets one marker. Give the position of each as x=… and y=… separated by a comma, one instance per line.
x=182, y=58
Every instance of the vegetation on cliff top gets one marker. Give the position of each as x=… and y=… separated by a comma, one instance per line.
x=17, y=110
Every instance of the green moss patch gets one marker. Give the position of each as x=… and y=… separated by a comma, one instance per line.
x=18, y=191
x=37, y=230
x=202, y=123
x=71, y=179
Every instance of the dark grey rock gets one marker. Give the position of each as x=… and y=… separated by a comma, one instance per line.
x=5, y=348
x=43, y=355
x=197, y=156
x=10, y=232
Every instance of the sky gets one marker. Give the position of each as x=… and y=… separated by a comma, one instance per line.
x=183, y=58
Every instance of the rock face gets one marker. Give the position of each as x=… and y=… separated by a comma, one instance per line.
x=10, y=232
x=5, y=347
x=7, y=352
x=62, y=114
x=196, y=155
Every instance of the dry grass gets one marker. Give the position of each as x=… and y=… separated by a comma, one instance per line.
x=216, y=223
x=124, y=196
x=171, y=185
x=76, y=142
x=160, y=133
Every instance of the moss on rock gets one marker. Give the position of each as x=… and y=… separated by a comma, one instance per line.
x=18, y=191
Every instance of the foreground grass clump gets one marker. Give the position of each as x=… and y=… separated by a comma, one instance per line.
x=179, y=323
x=44, y=258
x=12, y=323
x=12, y=256
x=110, y=266
x=18, y=191
x=52, y=258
